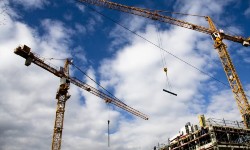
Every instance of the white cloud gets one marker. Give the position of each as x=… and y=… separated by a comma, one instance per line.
x=221, y=103
x=243, y=52
x=247, y=12
x=80, y=28
x=94, y=21
x=19, y=103
x=81, y=7
x=31, y=4
x=27, y=94
x=28, y=97
x=68, y=16
x=120, y=36
x=234, y=30
x=90, y=25
x=136, y=74
x=247, y=59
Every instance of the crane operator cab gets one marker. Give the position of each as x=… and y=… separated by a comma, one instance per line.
x=216, y=36
x=217, y=39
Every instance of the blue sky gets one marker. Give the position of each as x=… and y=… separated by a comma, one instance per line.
x=127, y=65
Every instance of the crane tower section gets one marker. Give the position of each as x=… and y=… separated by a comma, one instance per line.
x=63, y=95
x=217, y=37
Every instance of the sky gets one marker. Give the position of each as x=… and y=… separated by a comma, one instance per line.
x=126, y=64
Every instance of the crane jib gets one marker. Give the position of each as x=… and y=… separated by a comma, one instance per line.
x=218, y=36
x=154, y=15
x=24, y=51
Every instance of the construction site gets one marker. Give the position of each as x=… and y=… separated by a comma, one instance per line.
x=210, y=134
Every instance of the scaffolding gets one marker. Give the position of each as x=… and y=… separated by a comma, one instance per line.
x=218, y=134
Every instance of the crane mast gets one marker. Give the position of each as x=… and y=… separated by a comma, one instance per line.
x=217, y=37
x=62, y=94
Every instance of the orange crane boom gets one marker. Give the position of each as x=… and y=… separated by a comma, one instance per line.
x=29, y=55
x=217, y=37
x=154, y=15
x=62, y=94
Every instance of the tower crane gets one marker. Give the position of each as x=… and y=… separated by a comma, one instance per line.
x=63, y=95
x=217, y=36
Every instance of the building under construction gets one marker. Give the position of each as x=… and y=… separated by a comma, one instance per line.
x=213, y=134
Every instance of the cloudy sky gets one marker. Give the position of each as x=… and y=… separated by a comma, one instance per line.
x=124, y=63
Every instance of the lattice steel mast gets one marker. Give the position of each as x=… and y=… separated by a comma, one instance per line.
x=63, y=95
x=217, y=36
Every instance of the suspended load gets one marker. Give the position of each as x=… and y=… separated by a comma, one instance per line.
x=165, y=70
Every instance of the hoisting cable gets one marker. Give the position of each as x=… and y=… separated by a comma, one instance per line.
x=107, y=103
x=227, y=29
x=168, y=82
x=170, y=12
x=178, y=13
x=203, y=72
x=95, y=82
x=108, y=135
x=108, y=125
x=56, y=58
x=114, y=21
x=48, y=58
x=164, y=62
